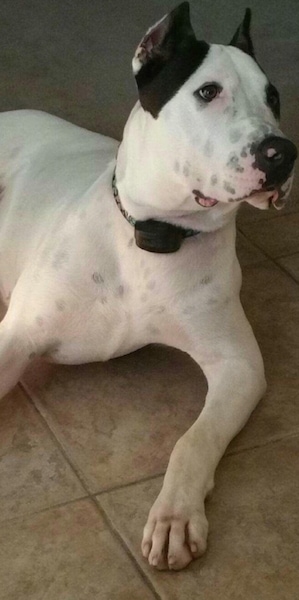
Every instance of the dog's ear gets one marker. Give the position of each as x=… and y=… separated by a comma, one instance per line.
x=162, y=41
x=242, y=39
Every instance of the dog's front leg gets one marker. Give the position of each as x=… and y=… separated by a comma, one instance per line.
x=176, y=530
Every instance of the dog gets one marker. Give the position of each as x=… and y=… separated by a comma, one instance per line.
x=105, y=248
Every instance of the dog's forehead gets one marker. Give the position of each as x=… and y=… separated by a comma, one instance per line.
x=228, y=65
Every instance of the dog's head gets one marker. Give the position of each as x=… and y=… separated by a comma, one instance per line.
x=219, y=111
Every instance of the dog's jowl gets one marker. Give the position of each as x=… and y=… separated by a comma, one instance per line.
x=104, y=249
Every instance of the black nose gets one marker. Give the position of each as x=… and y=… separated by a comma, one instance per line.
x=275, y=156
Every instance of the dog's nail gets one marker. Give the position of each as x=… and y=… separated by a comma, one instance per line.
x=146, y=549
x=194, y=548
x=154, y=561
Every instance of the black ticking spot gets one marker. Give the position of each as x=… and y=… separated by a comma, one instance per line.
x=160, y=309
x=229, y=188
x=60, y=259
x=235, y=135
x=97, y=278
x=234, y=163
x=60, y=305
x=176, y=166
x=205, y=280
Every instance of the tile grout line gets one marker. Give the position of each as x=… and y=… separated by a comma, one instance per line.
x=274, y=440
x=226, y=455
x=90, y=497
x=99, y=508
x=122, y=542
x=122, y=486
x=40, y=511
x=271, y=217
x=271, y=258
x=58, y=443
x=72, y=463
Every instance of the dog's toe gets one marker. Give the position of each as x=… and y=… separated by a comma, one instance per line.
x=172, y=541
x=197, y=533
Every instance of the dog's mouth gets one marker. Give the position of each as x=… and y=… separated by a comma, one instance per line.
x=262, y=198
x=203, y=200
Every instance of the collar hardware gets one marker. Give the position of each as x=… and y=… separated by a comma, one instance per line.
x=153, y=235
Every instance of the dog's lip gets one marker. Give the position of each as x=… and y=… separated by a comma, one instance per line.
x=203, y=200
x=208, y=202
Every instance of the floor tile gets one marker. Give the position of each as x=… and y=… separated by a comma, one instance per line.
x=247, y=253
x=33, y=472
x=66, y=553
x=271, y=302
x=118, y=421
x=291, y=264
x=253, y=549
x=250, y=214
x=278, y=237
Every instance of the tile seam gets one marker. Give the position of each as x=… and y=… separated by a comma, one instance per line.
x=271, y=258
x=90, y=496
x=112, y=526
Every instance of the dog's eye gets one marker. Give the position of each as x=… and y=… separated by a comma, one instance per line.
x=272, y=98
x=208, y=92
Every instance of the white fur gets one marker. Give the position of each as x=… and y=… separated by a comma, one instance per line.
x=79, y=289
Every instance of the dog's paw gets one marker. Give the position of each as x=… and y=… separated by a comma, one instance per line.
x=173, y=536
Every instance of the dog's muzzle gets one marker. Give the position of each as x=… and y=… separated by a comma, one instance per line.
x=275, y=156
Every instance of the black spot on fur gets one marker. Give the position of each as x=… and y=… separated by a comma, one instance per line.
x=229, y=188
x=97, y=278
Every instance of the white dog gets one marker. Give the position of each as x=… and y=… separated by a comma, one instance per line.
x=100, y=256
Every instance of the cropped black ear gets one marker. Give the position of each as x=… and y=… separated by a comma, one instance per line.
x=166, y=56
x=242, y=39
x=163, y=39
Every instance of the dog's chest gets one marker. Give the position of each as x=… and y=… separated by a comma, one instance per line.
x=122, y=298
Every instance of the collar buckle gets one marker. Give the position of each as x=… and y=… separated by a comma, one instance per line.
x=153, y=235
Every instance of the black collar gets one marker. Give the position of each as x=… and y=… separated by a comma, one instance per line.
x=153, y=235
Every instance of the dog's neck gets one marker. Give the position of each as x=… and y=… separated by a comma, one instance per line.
x=148, y=185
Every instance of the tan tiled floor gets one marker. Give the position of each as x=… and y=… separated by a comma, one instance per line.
x=83, y=448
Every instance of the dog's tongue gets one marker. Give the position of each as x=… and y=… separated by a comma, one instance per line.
x=207, y=202
x=203, y=200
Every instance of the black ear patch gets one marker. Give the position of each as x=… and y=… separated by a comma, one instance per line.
x=166, y=57
x=242, y=39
